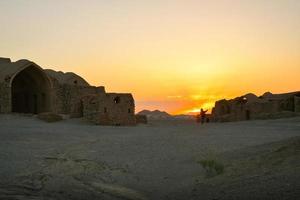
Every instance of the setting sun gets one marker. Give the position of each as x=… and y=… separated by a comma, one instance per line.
x=195, y=110
x=150, y=99
x=176, y=56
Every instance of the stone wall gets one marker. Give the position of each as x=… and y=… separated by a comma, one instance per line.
x=64, y=93
x=287, y=104
x=229, y=110
x=67, y=98
x=91, y=108
x=249, y=107
x=297, y=104
x=5, y=98
x=109, y=109
x=92, y=103
x=141, y=119
x=121, y=108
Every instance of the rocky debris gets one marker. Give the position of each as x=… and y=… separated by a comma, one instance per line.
x=49, y=117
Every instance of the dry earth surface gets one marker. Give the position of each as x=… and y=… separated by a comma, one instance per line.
x=74, y=160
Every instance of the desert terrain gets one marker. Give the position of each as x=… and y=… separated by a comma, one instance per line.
x=164, y=159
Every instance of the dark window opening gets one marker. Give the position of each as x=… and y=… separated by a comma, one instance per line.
x=117, y=100
x=105, y=110
x=75, y=82
x=129, y=111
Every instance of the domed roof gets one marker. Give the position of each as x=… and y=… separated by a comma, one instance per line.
x=68, y=78
x=250, y=97
x=8, y=69
x=267, y=95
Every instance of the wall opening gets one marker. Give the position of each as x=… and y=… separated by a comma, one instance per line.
x=117, y=100
x=30, y=91
x=247, y=114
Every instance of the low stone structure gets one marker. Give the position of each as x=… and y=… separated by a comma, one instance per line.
x=27, y=88
x=109, y=109
x=141, y=119
x=250, y=106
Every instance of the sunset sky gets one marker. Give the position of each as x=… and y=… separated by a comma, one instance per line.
x=173, y=55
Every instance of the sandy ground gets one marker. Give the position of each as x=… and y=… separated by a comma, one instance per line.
x=72, y=159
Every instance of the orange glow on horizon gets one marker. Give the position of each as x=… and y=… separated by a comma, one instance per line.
x=175, y=56
x=195, y=110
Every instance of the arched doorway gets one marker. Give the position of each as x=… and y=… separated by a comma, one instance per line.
x=30, y=91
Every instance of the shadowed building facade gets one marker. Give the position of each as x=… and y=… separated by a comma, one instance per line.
x=250, y=106
x=27, y=88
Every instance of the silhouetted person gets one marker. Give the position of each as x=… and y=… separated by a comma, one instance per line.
x=202, y=115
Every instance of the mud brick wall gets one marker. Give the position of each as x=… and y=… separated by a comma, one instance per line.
x=297, y=104
x=67, y=98
x=5, y=98
x=110, y=109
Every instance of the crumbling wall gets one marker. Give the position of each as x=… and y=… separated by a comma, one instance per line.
x=221, y=110
x=252, y=107
x=121, y=108
x=69, y=94
x=67, y=98
x=91, y=108
x=5, y=98
x=229, y=110
x=256, y=108
x=109, y=109
x=287, y=104
x=297, y=104
x=141, y=119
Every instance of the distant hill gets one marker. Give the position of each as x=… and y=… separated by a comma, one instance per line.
x=156, y=114
x=162, y=115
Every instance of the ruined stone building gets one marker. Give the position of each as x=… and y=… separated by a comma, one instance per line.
x=27, y=88
x=250, y=106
